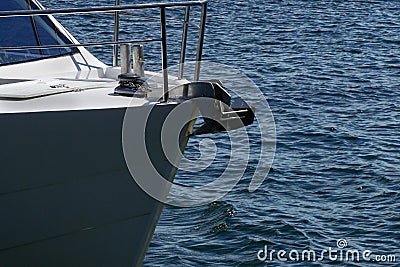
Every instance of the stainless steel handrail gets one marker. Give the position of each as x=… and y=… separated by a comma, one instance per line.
x=201, y=41
x=164, y=53
x=100, y=9
x=11, y=48
x=184, y=40
x=116, y=11
x=116, y=35
x=126, y=14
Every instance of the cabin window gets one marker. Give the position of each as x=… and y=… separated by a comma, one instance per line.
x=29, y=31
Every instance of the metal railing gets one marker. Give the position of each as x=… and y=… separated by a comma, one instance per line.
x=116, y=10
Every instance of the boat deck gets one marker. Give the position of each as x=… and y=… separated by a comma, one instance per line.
x=60, y=94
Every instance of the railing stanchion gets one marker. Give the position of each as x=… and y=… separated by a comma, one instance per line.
x=201, y=41
x=116, y=35
x=184, y=40
x=164, y=54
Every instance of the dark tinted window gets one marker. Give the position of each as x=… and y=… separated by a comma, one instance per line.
x=28, y=31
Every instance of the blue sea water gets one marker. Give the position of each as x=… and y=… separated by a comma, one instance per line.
x=330, y=71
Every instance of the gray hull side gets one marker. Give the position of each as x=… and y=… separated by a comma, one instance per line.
x=66, y=195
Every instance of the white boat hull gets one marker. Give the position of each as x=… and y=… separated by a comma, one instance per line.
x=66, y=195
